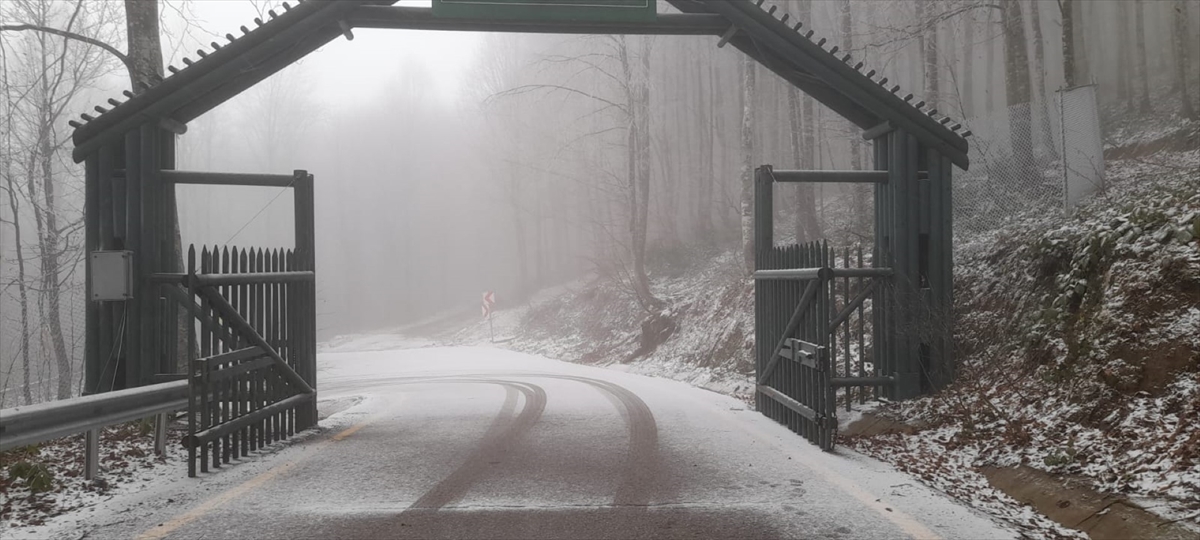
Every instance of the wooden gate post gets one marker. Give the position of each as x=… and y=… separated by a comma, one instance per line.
x=913, y=236
x=306, y=339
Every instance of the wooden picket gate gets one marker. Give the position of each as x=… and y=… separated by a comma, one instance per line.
x=252, y=332
x=254, y=381
x=812, y=318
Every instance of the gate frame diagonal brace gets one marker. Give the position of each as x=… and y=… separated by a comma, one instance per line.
x=810, y=292
x=233, y=316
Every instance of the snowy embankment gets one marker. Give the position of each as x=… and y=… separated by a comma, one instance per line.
x=598, y=322
x=1079, y=340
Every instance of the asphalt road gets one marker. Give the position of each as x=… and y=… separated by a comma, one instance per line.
x=449, y=443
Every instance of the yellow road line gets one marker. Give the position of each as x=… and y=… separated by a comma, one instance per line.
x=217, y=501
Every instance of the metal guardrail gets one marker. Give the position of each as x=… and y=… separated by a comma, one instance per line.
x=21, y=426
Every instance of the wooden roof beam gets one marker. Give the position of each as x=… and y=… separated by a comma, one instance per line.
x=419, y=18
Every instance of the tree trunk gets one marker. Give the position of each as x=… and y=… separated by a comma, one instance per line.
x=1074, y=56
x=1016, y=85
x=705, y=114
x=523, y=286
x=1181, y=61
x=990, y=63
x=967, y=68
x=807, y=226
x=22, y=286
x=929, y=44
x=145, y=45
x=1141, y=61
x=41, y=174
x=747, y=199
x=7, y=158
x=1124, y=56
x=1039, y=85
x=637, y=96
x=144, y=42
x=861, y=192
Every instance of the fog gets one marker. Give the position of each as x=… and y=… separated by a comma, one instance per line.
x=448, y=164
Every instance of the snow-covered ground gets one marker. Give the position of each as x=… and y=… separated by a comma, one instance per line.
x=595, y=322
x=1080, y=343
x=708, y=457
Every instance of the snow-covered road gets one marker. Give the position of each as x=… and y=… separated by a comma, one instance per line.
x=486, y=443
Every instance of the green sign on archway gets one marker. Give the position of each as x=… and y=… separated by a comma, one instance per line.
x=554, y=10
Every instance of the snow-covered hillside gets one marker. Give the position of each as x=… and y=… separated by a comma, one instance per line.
x=598, y=321
x=1079, y=338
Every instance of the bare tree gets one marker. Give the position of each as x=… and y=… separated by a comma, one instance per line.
x=861, y=193
x=145, y=43
x=929, y=45
x=1181, y=35
x=8, y=154
x=1039, y=78
x=1074, y=54
x=968, y=64
x=56, y=68
x=747, y=199
x=1124, y=72
x=636, y=69
x=1016, y=82
x=1141, y=61
x=707, y=116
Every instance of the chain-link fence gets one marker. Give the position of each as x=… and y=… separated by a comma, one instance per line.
x=1044, y=156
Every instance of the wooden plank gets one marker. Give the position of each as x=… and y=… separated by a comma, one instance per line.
x=878, y=131
x=789, y=403
x=131, y=315
x=810, y=292
x=862, y=351
x=801, y=274
x=205, y=351
x=191, y=367
x=846, y=382
x=849, y=309
x=252, y=279
x=801, y=352
x=227, y=179
x=226, y=267
x=831, y=177
x=220, y=361
x=847, y=303
x=244, y=328
x=273, y=409
x=151, y=230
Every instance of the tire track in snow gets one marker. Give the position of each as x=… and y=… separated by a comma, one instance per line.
x=504, y=432
x=641, y=463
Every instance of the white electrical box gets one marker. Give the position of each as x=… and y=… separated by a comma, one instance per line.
x=112, y=275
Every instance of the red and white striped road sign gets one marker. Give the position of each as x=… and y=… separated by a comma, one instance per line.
x=489, y=299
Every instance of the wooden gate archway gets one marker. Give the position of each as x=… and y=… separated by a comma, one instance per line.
x=129, y=151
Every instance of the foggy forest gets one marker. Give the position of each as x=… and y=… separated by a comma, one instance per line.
x=598, y=193
x=552, y=157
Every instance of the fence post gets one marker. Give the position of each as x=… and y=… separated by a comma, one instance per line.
x=160, y=432
x=191, y=365
x=764, y=213
x=91, y=454
x=305, y=341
